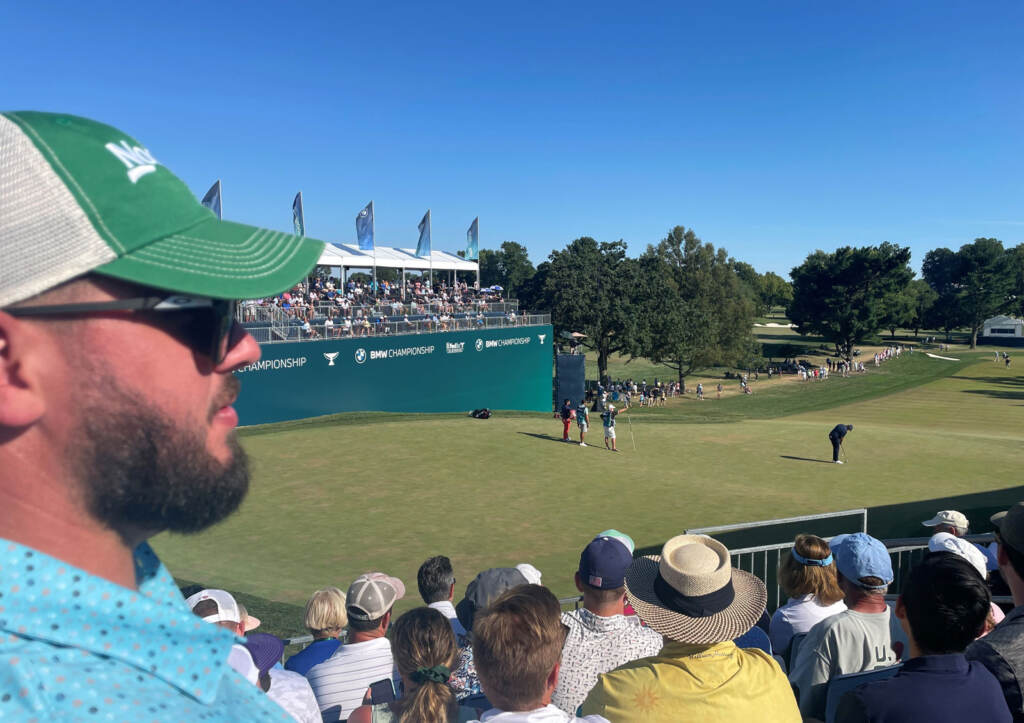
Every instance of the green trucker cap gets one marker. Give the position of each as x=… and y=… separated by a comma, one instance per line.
x=78, y=196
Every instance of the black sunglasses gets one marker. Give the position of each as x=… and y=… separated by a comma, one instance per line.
x=201, y=323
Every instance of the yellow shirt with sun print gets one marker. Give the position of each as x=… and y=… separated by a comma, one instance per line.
x=709, y=683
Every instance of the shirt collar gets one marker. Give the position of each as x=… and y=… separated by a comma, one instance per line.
x=600, y=624
x=444, y=607
x=951, y=663
x=142, y=628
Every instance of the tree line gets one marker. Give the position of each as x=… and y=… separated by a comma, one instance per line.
x=688, y=306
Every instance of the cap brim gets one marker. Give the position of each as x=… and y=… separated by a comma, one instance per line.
x=744, y=612
x=219, y=259
x=997, y=519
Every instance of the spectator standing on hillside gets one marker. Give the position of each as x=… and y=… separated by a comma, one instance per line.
x=325, y=619
x=601, y=637
x=693, y=597
x=942, y=609
x=808, y=577
x=436, y=582
x=341, y=681
x=583, y=420
x=864, y=636
x=518, y=641
x=608, y=421
x=117, y=352
x=1002, y=650
x=566, y=413
x=836, y=437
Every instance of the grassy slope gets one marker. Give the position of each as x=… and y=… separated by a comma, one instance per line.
x=331, y=500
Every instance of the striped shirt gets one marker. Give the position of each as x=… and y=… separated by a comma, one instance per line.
x=340, y=682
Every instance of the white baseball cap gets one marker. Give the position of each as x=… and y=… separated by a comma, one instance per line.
x=947, y=517
x=945, y=542
x=227, y=608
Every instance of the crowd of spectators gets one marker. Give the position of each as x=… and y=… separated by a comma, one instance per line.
x=328, y=308
x=670, y=637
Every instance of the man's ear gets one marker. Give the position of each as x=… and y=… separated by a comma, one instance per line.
x=901, y=609
x=579, y=584
x=21, y=403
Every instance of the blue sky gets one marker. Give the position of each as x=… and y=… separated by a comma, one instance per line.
x=771, y=129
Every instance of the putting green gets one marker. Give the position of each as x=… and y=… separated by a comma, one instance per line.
x=330, y=501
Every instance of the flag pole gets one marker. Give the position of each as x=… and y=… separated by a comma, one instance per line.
x=478, y=253
x=373, y=235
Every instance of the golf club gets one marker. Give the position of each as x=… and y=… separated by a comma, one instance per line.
x=842, y=448
x=631, y=431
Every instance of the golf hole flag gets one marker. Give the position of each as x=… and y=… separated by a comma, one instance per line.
x=364, y=228
x=212, y=200
x=298, y=219
x=473, y=240
x=423, y=245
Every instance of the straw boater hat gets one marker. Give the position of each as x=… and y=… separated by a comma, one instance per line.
x=691, y=594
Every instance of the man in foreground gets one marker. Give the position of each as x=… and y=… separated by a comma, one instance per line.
x=340, y=682
x=692, y=596
x=1002, y=650
x=943, y=608
x=117, y=347
x=517, y=643
x=864, y=636
x=601, y=636
x=836, y=437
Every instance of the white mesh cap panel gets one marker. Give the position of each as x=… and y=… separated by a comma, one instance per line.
x=45, y=238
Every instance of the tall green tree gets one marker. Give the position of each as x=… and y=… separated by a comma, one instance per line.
x=589, y=288
x=924, y=297
x=508, y=267
x=842, y=296
x=941, y=269
x=775, y=291
x=986, y=279
x=693, y=310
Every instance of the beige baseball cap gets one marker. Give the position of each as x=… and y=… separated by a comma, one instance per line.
x=947, y=517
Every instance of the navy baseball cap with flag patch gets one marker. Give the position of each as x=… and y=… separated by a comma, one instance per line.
x=79, y=196
x=604, y=562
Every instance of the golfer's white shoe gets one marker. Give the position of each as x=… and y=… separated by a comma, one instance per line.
x=583, y=444
x=839, y=461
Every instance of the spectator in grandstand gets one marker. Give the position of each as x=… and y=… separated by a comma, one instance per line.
x=289, y=690
x=945, y=542
x=956, y=523
x=341, y=681
x=864, y=636
x=325, y=619
x=808, y=577
x=425, y=652
x=942, y=609
x=220, y=608
x=692, y=596
x=1002, y=650
x=479, y=593
x=436, y=582
x=116, y=421
x=518, y=640
x=601, y=637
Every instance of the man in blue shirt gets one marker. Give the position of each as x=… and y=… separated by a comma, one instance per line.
x=942, y=609
x=836, y=438
x=118, y=344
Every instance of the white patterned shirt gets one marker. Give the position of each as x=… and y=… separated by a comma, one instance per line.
x=597, y=645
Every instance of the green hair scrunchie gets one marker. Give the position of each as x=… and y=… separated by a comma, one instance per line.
x=436, y=674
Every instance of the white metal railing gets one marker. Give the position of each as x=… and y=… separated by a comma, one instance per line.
x=251, y=310
x=292, y=330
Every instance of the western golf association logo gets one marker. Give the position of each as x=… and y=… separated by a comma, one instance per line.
x=330, y=356
x=541, y=337
x=479, y=345
x=360, y=355
x=455, y=348
x=138, y=160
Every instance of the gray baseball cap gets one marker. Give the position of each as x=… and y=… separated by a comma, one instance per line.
x=373, y=594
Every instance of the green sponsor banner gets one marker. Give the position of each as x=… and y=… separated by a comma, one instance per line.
x=452, y=371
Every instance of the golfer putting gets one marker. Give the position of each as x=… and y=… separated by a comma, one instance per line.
x=608, y=420
x=836, y=438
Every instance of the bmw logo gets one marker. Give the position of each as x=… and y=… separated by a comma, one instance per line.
x=360, y=355
x=479, y=344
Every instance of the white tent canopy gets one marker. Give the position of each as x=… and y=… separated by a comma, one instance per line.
x=349, y=256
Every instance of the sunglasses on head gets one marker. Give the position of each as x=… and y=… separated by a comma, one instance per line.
x=201, y=323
